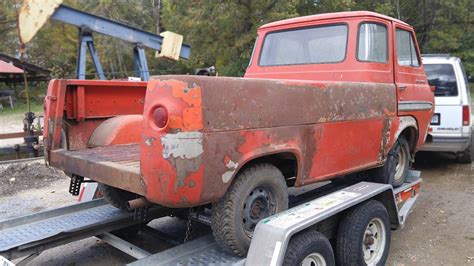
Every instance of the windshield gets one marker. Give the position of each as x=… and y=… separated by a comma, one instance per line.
x=326, y=44
x=442, y=77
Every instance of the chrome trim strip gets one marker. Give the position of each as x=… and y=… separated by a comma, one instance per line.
x=414, y=105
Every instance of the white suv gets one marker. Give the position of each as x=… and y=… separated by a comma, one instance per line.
x=450, y=129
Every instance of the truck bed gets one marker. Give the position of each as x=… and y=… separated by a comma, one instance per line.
x=117, y=165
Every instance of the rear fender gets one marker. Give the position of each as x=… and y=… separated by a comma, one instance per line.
x=256, y=155
x=404, y=123
x=122, y=129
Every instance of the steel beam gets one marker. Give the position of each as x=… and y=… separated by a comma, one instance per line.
x=112, y=28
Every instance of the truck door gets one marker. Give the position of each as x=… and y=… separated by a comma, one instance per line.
x=413, y=92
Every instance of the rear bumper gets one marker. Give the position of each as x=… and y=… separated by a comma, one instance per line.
x=447, y=144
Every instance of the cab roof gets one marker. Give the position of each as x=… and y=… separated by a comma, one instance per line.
x=338, y=15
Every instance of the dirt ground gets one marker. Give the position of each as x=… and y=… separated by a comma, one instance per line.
x=439, y=231
x=23, y=176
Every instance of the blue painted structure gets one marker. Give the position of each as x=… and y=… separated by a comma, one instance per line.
x=88, y=23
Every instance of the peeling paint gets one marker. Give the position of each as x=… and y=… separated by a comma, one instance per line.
x=149, y=141
x=232, y=166
x=185, y=145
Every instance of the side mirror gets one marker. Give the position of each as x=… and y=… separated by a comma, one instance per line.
x=433, y=88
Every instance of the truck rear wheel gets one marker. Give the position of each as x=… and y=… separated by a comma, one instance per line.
x=309, y=248
x=364, y=235
x=115, y=196
x=257, y=192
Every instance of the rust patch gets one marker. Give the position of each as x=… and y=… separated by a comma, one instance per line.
x=387, y=122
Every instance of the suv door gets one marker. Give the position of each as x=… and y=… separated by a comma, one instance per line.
x=414, y=94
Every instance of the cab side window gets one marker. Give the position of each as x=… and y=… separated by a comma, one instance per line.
x=406, y=51
x=372, y=43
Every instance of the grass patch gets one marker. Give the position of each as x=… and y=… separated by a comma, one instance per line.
x=20, y=109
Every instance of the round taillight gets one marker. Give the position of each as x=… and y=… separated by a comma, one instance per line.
x=160, y=117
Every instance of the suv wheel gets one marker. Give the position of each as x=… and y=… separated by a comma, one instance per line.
x=466, y=155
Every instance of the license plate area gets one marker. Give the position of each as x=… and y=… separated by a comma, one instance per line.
x=436, y=119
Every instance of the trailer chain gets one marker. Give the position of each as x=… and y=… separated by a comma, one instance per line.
x=189, y=226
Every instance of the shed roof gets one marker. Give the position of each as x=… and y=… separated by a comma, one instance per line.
x=9, y=68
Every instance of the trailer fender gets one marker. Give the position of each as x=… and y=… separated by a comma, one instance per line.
x=122, y=129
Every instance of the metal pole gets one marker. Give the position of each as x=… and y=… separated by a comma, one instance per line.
x=27, y=91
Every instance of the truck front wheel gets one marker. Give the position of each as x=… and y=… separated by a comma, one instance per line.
x=364, y=235
x=397, y=165
x=257, y=192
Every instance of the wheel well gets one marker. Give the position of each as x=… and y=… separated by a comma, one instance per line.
x=411, y=135
x=286, y=162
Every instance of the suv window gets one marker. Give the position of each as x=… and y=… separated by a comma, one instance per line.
x=443, y=78
x=406, y=51
x=372, y=43
x=325, y=44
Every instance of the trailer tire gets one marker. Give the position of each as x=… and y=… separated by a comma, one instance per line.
x=309, y=248
x=397, y=165
x=115, y=196
x=363, y=236
x=257, y=192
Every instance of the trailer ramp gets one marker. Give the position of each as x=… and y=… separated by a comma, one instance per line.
x=30, y=235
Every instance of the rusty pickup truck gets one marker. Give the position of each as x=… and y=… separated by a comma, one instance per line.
x=324, y=96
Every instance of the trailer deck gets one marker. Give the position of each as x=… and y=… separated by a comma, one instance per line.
x=26, y=237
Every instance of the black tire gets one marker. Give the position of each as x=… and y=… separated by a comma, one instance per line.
x=466, y=155
x=310, y=245
x=352, y=234
x=115, y=196
x=391, y=173
x=255, y=187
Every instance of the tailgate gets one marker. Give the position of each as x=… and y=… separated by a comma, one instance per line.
x=117, y=166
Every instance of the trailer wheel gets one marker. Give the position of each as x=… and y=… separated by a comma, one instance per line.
x=257, y=192
x=309, y=248
x=115, y=196
x=398, y=163
x=364, y=235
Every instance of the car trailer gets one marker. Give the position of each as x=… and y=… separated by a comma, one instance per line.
x=348, y=222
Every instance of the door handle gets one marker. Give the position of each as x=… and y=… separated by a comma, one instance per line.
x=402, y=87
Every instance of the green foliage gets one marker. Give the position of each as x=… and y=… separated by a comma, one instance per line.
x=222, y=32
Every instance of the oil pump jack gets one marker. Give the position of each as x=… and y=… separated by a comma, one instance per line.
x=34, y=14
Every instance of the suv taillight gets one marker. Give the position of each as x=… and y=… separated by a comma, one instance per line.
x=465, y=115
x=160, y=117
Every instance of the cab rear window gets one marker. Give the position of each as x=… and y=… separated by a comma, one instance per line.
x=317, y=45
x=443, y=78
